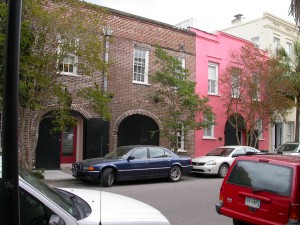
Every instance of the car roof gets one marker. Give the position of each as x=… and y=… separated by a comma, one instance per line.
x=233, y=146
x=276, y=158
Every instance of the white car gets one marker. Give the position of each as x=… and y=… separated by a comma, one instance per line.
x=218, y=161
x=40, y=204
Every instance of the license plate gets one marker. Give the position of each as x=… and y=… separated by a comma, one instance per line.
x=252, y=202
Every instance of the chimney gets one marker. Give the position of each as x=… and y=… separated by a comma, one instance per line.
x=237, y=19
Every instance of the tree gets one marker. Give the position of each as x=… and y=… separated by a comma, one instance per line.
x=255, y=91
x=185, y=110
x=292, y=63
x=295, y=11
x=51, y=33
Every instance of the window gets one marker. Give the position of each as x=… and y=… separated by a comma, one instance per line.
x=213, y=78
x=208, y=132
x=182, y=60
x=255, y=41
x=288, y=49
x=290, y=131
x=235, y=85
x=140, y=153
x=256, y=86
x=260, y=176
x=259, y=128
x=69, y=65
x=276, y=42
x=158, y=153
x=180, y=138
x=140, y=67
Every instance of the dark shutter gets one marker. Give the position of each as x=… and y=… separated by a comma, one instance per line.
x=96, y=138
x=48, y=147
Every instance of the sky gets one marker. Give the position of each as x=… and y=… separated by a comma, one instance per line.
x=210, y=15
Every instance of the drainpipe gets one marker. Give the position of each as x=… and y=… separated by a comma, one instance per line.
x=107, y=32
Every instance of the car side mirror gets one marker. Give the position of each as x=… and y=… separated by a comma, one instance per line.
x=56, y=220
x=130, y=158
x=235, y=155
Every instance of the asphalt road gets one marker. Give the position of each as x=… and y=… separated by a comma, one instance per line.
x=190, y=201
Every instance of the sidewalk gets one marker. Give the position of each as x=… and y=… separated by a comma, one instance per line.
x=58, y=175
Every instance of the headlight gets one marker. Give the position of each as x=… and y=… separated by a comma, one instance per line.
x=88, y=168
x=211, y=162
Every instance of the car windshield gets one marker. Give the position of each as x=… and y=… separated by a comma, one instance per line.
x=288, y=147
x=224, y=152
x=48, y=192
x=120, y=152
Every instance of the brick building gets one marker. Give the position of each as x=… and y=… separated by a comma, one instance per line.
x=130, y=53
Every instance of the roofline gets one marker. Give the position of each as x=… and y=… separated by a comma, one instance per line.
x=125, y=14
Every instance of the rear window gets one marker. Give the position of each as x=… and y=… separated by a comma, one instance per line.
x=262, y=177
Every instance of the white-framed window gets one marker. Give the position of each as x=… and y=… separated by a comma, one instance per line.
x=256, y=87
x=213, y=78
x=276, y=42
x=182, y=60
x=180, y=138
x=69, y=65
x=290, y=131
x=259, y=128
x=140, y=66
x=208, y=132
x=255, y=41
x=235, y=85
x=288, y=48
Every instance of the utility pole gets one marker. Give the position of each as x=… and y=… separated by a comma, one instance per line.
x=10, y=206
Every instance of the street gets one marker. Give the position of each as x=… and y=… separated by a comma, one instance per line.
x=191, y=201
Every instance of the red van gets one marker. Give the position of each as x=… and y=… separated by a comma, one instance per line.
x=262, y=190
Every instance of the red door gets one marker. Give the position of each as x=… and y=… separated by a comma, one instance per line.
x=68, y=145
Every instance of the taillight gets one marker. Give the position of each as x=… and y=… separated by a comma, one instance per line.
x=294, y=213
x=221, y=196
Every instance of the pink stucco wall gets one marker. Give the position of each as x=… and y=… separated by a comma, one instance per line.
x=215, y=48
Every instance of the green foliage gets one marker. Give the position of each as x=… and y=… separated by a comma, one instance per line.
x=98, y=99
x=185, y=109
x=50, y=32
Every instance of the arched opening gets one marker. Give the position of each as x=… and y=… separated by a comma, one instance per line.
x=235, y=134
x=89, y=138
x=138, y=130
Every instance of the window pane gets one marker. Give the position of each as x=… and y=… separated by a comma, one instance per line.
x=140, y=65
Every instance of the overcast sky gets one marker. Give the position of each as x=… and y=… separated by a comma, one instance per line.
x=211, y=15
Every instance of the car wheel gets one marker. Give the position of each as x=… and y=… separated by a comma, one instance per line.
x=175, y=173
x=236, y=222
x=223, y=170
x=108, y=177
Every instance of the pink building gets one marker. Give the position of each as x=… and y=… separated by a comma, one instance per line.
x=212, y=56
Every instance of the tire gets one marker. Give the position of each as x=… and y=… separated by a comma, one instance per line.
x=236, y=222
x=175, y=174
x=223, y=170
x=108, y=177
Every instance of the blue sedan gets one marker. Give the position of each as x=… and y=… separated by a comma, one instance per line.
x=132, y=163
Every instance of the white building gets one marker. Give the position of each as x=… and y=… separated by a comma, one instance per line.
x=270, y=32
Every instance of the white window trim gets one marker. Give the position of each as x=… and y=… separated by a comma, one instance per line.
x=211, y=134
x=235, y=91
x=145, y=82
x=289, y=132
x=216, y=66
x=259, y=127
x=255, y=41
x=182, y=140
x=75, y=67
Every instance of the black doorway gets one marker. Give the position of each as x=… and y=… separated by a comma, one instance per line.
x=138, y=130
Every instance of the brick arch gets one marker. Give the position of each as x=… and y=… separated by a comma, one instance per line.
x=134, y=112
